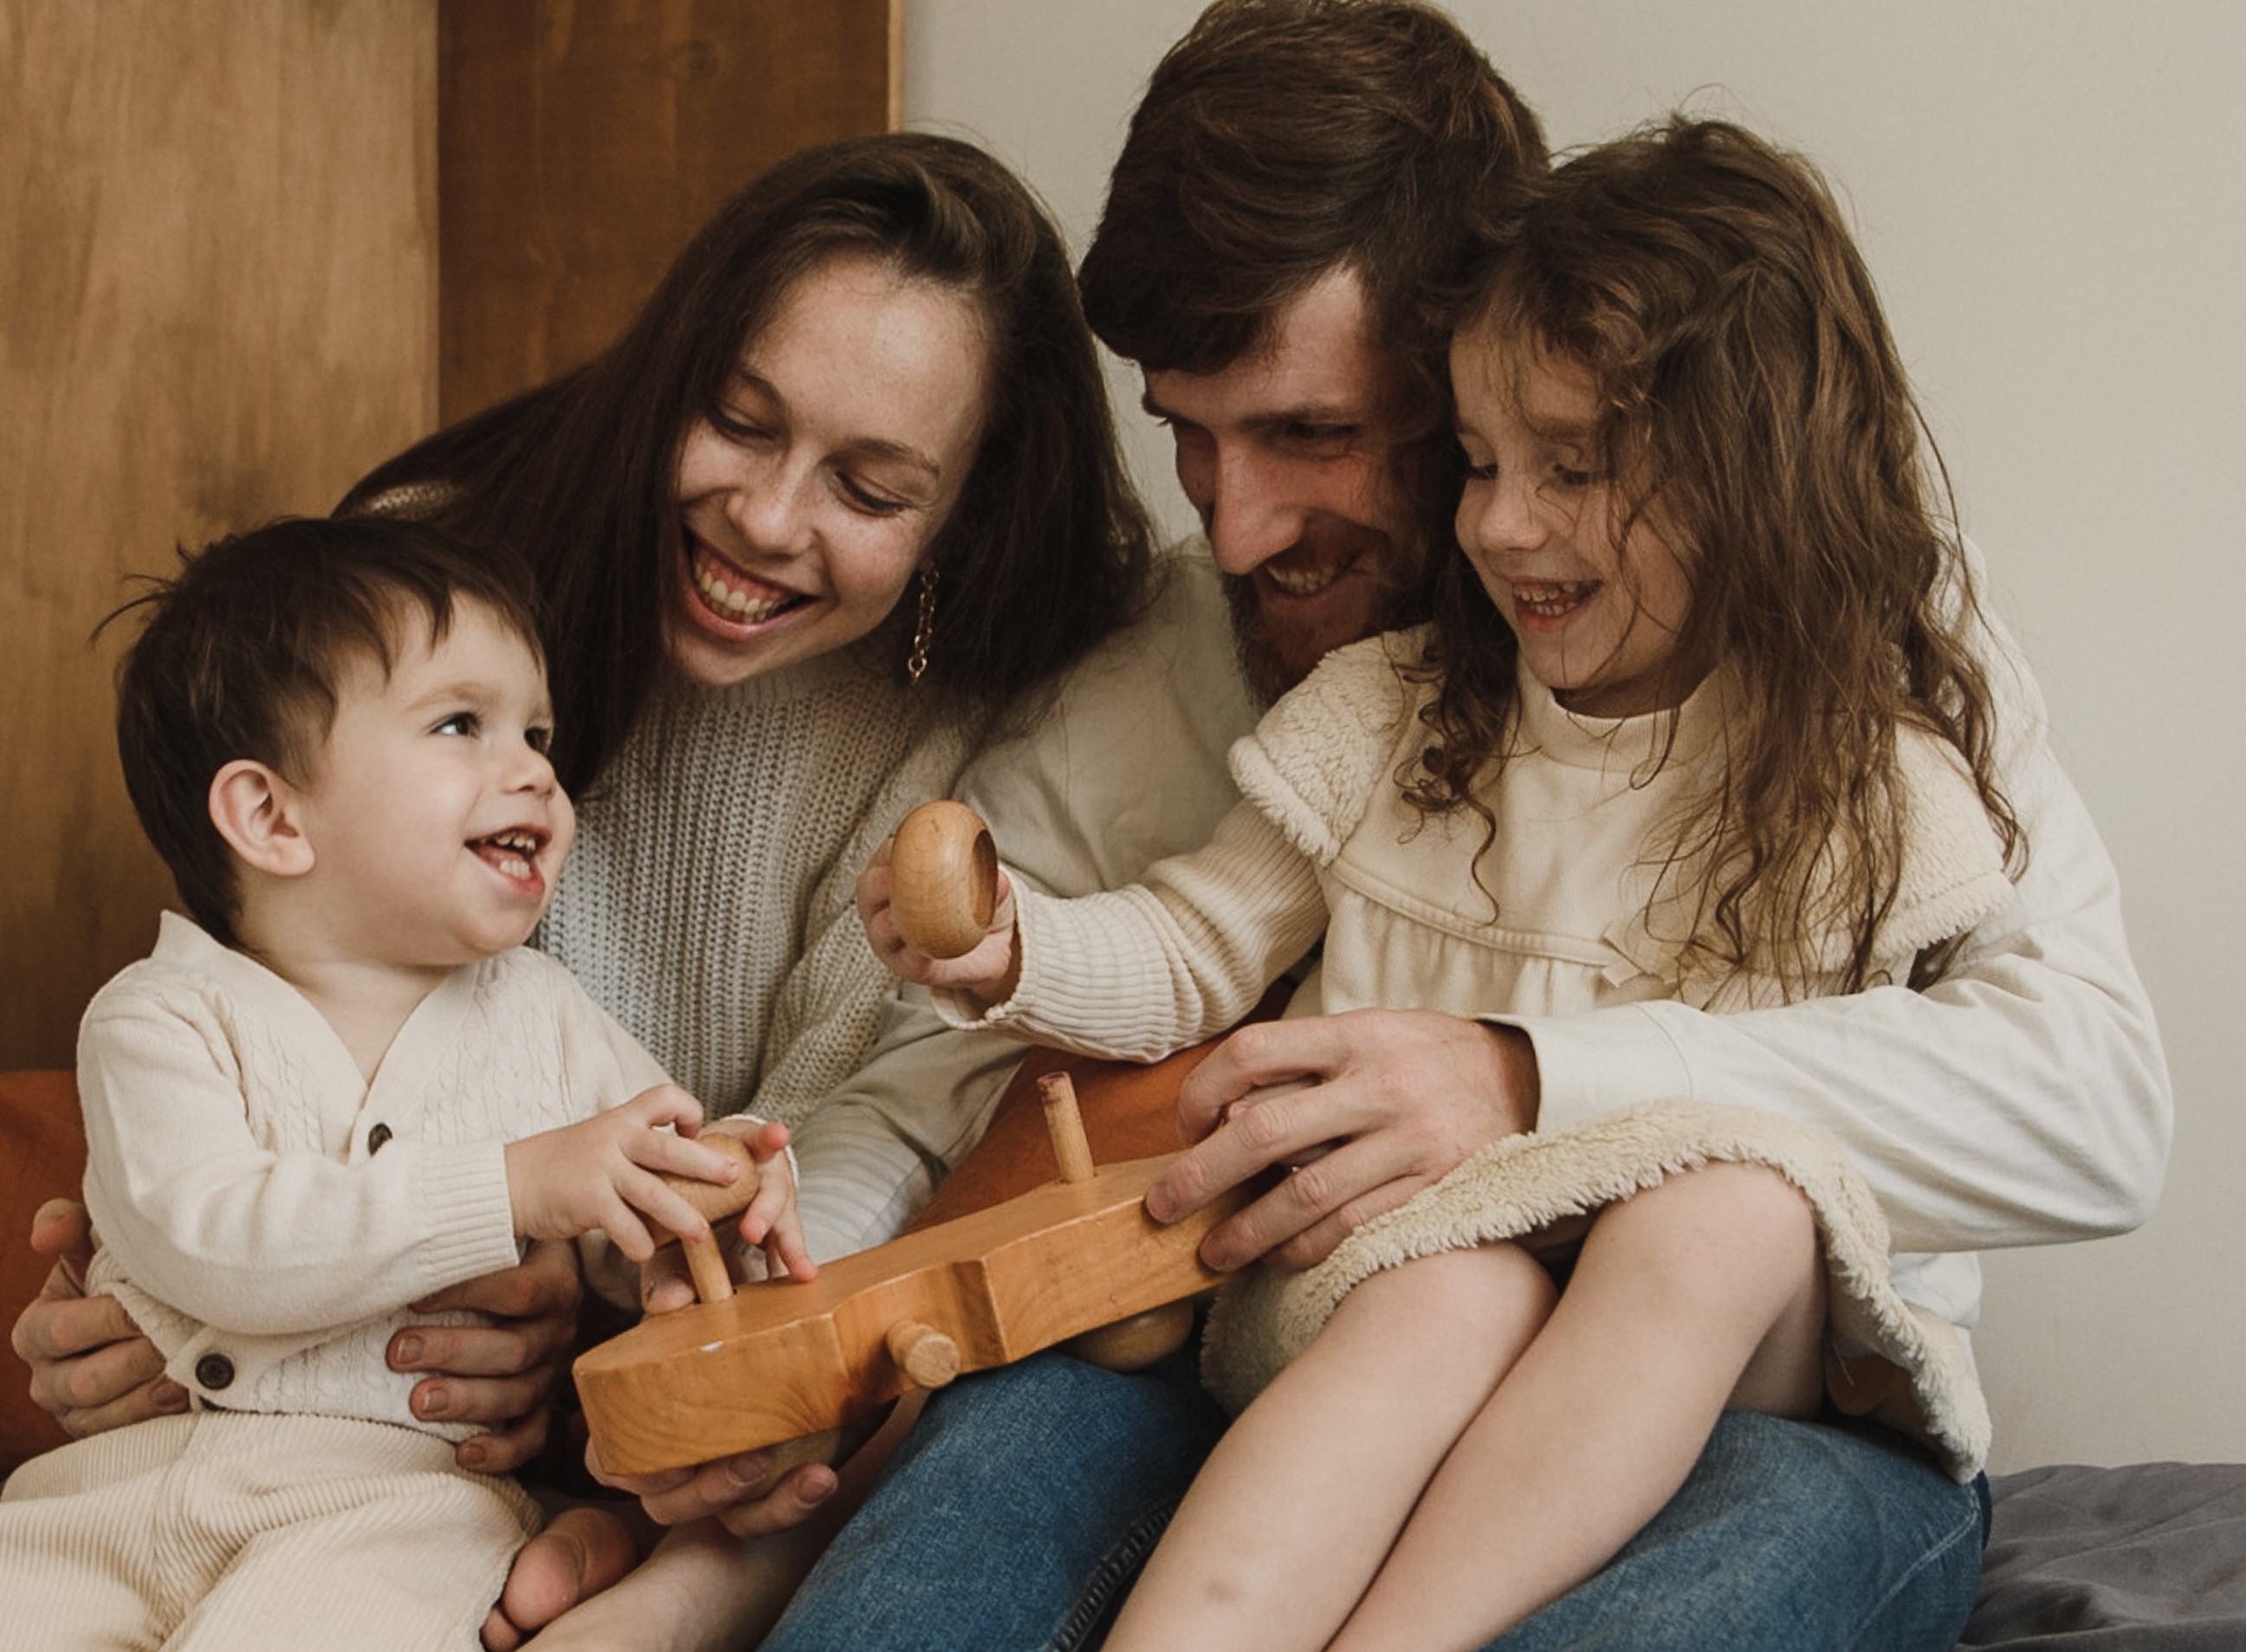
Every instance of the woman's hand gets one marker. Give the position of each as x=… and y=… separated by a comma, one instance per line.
x=94, y=1371
x=986, y=974
x=498, y=1375
x=91, y=1371
x=1367, y=1108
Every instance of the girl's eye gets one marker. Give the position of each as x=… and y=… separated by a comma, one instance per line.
x=460, y=722
x=539, y=737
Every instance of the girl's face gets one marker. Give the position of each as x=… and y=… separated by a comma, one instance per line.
x=838, y=448
x=1596, y=610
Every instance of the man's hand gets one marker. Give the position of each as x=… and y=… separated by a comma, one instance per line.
x=741, y=1492
x=90, y=1368
x=498, y=1375
x=1369, y=1107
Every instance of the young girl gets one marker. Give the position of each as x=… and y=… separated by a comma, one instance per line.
x=1693, y=721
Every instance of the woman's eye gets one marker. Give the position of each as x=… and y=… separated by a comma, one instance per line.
x=460, y=722
x=1569, y=476
x=872, y=504
x=734, y=427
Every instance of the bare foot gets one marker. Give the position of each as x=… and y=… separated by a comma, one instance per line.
x=582, y=1552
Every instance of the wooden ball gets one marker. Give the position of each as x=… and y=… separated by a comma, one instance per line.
x=943, y=879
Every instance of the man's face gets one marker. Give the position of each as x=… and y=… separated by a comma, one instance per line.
x=1288, y=456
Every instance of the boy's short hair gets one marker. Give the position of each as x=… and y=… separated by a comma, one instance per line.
x=242, y=655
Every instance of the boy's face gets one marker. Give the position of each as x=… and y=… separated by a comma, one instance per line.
x=435, y=825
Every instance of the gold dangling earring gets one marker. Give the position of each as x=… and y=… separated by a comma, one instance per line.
x=924, y=632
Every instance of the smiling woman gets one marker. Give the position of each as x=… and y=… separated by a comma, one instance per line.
x=830, y=518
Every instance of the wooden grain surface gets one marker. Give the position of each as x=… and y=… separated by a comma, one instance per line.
x=582, y=145
x=217, y=303
x=787, y=1358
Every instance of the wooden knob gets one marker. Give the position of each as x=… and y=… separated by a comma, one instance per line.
x=1132, y=1344
x=705, y=1262
x=943, y=879
x=925, y=1354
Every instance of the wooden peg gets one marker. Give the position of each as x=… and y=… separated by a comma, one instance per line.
x=705, y=1257
x=1065, y=1123
x=943, y=879
x=925, y=1354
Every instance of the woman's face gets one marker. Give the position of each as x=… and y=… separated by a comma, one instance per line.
x=838, y=448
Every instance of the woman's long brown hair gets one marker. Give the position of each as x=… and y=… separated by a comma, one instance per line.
x=1046, y=552
x=1753, y=409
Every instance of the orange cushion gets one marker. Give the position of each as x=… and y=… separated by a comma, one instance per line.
x=41, y=1157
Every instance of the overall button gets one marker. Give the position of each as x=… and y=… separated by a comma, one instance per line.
x=377, y=1138
x=215, y=1371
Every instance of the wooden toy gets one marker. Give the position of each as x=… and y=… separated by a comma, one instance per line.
x=784, y=1359
x=1074, y=1262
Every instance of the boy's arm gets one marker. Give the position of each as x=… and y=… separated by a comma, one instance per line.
x=259, y=1242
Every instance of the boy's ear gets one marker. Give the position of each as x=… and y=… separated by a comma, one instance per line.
x=259, y=813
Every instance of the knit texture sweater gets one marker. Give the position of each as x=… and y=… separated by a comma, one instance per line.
x=709, y=902
x=267, y=1212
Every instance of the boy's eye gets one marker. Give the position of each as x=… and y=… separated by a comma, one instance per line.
x=1313, y=435
x=460, y=722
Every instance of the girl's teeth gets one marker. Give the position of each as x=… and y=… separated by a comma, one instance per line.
x=1550, y=601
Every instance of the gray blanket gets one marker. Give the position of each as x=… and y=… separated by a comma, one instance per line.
x=2147, y=1557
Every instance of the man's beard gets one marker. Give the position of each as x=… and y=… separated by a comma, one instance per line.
x=1270, y=668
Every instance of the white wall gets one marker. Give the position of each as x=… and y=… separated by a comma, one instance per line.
x=2053, y=197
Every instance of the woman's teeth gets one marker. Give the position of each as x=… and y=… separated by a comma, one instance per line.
x=728, y=599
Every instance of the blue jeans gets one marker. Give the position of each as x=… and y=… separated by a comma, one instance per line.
x=1018, y=1510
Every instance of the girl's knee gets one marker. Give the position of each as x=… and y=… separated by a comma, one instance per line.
x=1498, y=1291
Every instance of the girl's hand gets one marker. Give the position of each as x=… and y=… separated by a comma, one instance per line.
x=607, y=1172
x=986, y=974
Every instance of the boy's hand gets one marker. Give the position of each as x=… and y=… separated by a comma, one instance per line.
x=771, y=1222
x=607, y=1172
x=987, y=974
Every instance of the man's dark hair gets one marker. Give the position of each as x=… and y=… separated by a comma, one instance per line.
x=240, y=655
x=1280, y=139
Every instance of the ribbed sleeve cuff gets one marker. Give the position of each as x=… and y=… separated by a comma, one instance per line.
x=1599, y=1062
x=465, y=1212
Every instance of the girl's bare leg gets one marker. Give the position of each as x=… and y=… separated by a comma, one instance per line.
x=1284, y=1527
x=1704, y=1291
